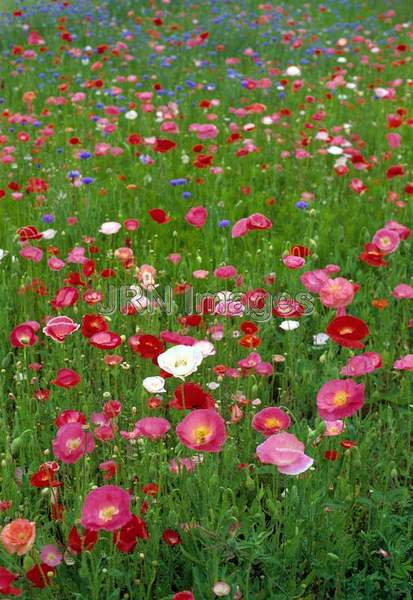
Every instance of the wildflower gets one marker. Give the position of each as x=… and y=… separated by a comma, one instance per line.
x=106, y=507
x=339, y=398
x=202, y=430
x=286, y=452
x=18, y=536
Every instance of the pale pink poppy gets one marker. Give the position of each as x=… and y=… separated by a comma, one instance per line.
x=334, y=428
x=286, y=452
x=362, y=364
x=313, y=281
x=337, y=293
x=200, y=274
x=77, y=255
x=110, y=227
x=404, y=363
x=153, y=428
x=51, y=555
x=402, y=291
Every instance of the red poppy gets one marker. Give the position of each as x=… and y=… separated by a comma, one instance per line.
x=190, y=320
x=74, y=278
x=39, y=575
x=348, y=444
x=301, y=251
x=148, y=346
x=78, y=543
x=171, y=537
x=164, y=145
x=203, y=161
x=159, y=216
x=151, y=489
x=250, y=341
x=331, y=455
x=36, y=185
x=191, y=395
x=45, y=476
x=372, y=256
x=125, y=538
x=70, y=416
x=89, y=268
x=248, y=327
x=28, y=233
x=6, y=579
x=395, y=171
x=347, y=331
x=66, y=378
x=92, y=324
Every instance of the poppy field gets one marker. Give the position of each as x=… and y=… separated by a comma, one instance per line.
x=206, y=273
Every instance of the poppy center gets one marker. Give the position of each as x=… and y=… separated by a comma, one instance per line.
x=73, y=444
x=272, y=422
x=340, y=398
x=201, y=434
x=107, y=513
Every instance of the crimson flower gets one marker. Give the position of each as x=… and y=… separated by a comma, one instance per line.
x=347, y=331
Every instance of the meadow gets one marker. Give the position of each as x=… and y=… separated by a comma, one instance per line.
x=206, y=275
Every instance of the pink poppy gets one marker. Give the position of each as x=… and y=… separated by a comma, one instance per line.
x=313, y=281
x=225, y=272
x=258, y=221
x=71, y=443
x=66, y=296
x=55, y=264
x=106, y=507
x=32, y=253
x=362, y=364
x=153, y=428
x=250, y=361
x=402, y=291
x=77, y=255
x=197, y=216
x=51, y=555
x=293, y=262
x=270, y=420
x=339, y=398
x=59, y=328
x=240, y=228
x=402, y=231
x=337, y=293
x=23, y=335
x=405, y=363
x=202, y=430
x=175, y=258
x=387, y=240
x=286, y=452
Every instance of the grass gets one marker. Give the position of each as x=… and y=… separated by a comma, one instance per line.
x=341, y=530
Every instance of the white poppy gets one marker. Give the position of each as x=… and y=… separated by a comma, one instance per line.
x=180, y=361
x=206, y=348
x=154, y=385
x=320, y=339
x=293, y=71
x=131, y=115
x=110, y=227
x=335, y=150
x=289, y=325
